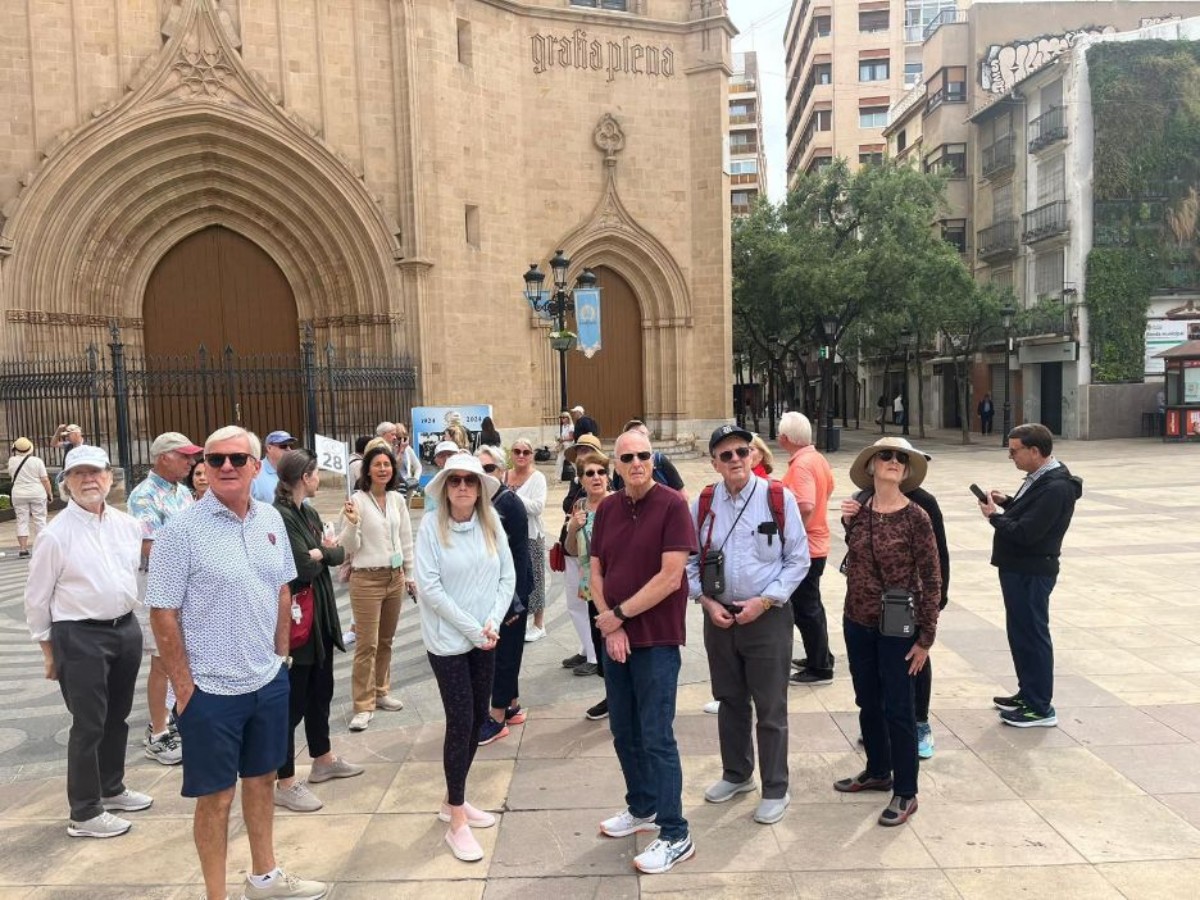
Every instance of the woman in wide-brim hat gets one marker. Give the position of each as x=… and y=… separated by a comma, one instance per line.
x=465, y=580
x=891, y=546
x=587, y=443
x=30, y=493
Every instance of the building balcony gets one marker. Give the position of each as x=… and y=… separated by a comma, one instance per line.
x=744, y=178
x=1048, y=320
x=1048, y=128
x=744, y=119
x=743, y=149
x=998, y=240
x=1046, y=221
x=945, y=17
x=914, y=34
x=954, y=92
x=739, y=209
x=998, y=157
x=743, y=87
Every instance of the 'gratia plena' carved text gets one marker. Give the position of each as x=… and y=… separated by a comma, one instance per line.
x=611, y=57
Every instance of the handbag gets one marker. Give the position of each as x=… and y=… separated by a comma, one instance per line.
x=302, y=616
x=897, y=608
x=558, y=558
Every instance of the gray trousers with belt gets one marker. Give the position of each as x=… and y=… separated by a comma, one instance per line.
x=751, y=664
x=97, y=672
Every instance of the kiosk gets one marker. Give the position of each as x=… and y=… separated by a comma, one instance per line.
x=1182, y=371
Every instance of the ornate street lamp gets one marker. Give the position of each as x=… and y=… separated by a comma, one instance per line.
x=1006, y=317
x=829, y=327
x=554, y=305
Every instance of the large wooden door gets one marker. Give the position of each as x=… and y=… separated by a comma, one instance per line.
x=218, y=290
x=610, y=385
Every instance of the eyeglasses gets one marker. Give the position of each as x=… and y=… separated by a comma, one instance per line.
x=728, y=455
x=517, y=452
x=643, y=455
x=594, y=473
x=888, y=455
x=490, y=467
x=459, y=480
x=1012, y=451
x=217, y=460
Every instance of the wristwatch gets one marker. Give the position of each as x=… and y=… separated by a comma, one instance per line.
x=287, y=661
x=617, y=611
x=766, y=602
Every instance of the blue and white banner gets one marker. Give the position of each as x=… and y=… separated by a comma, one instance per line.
x=587, y=320
x=543, y=305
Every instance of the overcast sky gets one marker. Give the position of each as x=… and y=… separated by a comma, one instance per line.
x=761, y=23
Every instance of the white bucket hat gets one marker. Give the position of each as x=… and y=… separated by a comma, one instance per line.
x=461, y=462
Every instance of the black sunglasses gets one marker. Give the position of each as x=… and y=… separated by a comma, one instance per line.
x=643, y=455
x=518, y=452
x=217, y=460
x=888, y=455
x=490, y=467
x=458, y=480
x=594, y=473
x=728, y=455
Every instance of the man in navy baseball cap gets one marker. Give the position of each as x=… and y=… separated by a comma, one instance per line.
x=276, y=444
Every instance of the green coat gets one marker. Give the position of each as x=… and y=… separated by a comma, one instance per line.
x=304, y=533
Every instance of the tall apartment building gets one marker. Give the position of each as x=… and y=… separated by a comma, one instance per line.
x=847, y=62
x=747, y=159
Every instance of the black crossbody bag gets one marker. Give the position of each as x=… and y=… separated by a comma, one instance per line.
x=898, y=608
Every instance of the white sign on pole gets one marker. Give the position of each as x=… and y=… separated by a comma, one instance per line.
x=334, y=456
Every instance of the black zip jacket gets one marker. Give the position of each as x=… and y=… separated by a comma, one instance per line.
x=1028, y=536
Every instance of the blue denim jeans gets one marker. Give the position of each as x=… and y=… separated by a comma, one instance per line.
x=641, y=715
x=1027, y=621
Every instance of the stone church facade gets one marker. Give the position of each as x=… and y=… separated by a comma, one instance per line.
x=378, y=173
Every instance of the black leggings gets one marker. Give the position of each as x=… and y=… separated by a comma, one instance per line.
x=465, y=683
x=922, y=688
x=311, y=693
x=509, y=652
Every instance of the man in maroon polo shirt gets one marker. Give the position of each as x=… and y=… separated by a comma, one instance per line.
x=641, y=541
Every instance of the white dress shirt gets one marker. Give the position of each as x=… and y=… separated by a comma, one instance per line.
x=84, y=566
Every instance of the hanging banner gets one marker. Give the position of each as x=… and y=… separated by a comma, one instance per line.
x=587, y=320
x=543, y=305
x=429, y=424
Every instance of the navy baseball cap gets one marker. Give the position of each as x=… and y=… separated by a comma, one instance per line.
x=280, y=437
x=725, y=431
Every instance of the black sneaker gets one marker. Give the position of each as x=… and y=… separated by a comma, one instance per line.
x=800, y=663
x=585, y=668
x=598, y=712
x=1027, y=718
x=23, y=554
x=808, y=676
x=1008, y=703
x=572, y=661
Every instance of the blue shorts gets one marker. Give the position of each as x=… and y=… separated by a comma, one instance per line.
x=227, y=736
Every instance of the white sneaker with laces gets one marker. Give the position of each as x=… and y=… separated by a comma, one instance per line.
x=285, y=885
x=662, y=855
x=712, y=707
x=128, y=801
x=533, y=633
x=166, y=749
x=361, y=720
x=625, y=823
x=297, y=798
x=105, y=825
x=388, y=703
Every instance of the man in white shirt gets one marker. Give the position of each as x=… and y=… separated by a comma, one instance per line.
x=79, y=603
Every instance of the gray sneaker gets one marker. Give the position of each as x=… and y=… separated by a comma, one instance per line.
x=726, y=790
x=771, y=811
x=297, y=798
x=105, y=825
x=286, y=885
x=339, y=768
x=167, y=749
x=128, y=801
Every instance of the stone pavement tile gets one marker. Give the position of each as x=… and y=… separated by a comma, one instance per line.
x=1186, y=806
x=961, y=776
x=428, y=745
x=988, y=638
x=684, y=882
x=1143, y=638
x=835, y=697
x=612, y=887
x=33, y=851
x=993, y=833
x=110, y=892
x=1059, y=882
x=343, y=796
x=560, y=783
x=811, y=777
x=23, y=893
x=1173, y=659
x=376, y=745
x=1167, y=769
x=1099, y=617
x=994, y=664
x=419, y=786
x=728, y=839
x=559, y=843
x=413, y=890
x=570, y=738
x=1101, y=660
x=916, y=884
x=1153, y=880
x=45, y=798
x=411, y=847
x=1150, y=689
x=1079, y=690
x=1114, y=726
x=964, y=693
x=808, y=732
x=1120, y=829
x=847, y=836
x=306, y=845
x=981, y=729
x=154, y=842
x=1061, y=772
x=953, y=665
x=1181, y=717
x=1163, y=617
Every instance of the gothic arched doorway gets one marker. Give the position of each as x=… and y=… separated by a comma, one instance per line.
x=219, y=291
x=610, y=384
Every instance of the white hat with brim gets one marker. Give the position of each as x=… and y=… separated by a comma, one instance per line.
x=85, y=455
x=445, y=447
x=461, y=462
x=918, y=464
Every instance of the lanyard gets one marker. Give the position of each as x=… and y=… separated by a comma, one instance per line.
x=712, y=518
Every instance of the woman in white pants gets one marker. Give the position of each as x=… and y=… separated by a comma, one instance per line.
x=31, y=491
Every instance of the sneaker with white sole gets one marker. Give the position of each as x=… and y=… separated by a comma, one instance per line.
x=925, y=742
x=297, y=798
x=771, y=811
x=626, y=823
x=128, y=801
x=712, y=707
x=339, y=768
x=476, y=818
x=361, y=720
x=533, y=633
x=388, y=703
x=1028, y=718
x=105, y=825
x=285, y=885
x=167, y=749
x=724, y=790
x=662, y=855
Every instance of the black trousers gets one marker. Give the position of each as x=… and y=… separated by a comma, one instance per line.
x=923, y=689
x=597, y=637
x=97, y=674
x=808, y=612
x=509, y=652
x=310, y=698
x=465, y=683
x=1027, y=621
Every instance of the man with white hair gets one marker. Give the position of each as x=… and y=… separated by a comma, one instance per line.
x=810, y=479
x=388, y=431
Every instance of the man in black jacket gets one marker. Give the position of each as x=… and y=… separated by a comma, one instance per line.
x=1029, y=528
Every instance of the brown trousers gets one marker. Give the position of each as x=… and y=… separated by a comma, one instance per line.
x=375, y=599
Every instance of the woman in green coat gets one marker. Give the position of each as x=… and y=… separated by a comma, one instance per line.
x=311, y=672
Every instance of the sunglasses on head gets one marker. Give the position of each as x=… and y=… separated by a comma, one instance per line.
x=217, y=460
x=728, y=455
x=522, y=452
x=594, y=473
x=888, y=455
x=459, y=480
x=490, y=467
x=643, y=455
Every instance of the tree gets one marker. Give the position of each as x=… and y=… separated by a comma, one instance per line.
x=968, y=319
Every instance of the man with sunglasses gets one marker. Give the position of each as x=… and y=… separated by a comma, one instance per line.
x=277, y=444
x=747, y=625
x=641, y=539
x=221, y=613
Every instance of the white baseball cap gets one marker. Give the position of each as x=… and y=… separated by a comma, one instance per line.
x=86, y=455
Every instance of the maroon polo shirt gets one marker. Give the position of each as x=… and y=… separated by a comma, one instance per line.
x=629, y=539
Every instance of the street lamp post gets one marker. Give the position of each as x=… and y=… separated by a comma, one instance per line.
x=907, y=338
x=554, y=304
x=829, y=326
x=1006, y=316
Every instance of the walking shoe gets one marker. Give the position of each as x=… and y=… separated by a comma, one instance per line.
x=597, y=712
x=533, y=633
x=924, y=740
x=339, y=768
x=128, y=801
x=23, y=554
x=388, y=703
x=898, y=811
x=166, y=749
x=662, y=855
x=771, y=811
x=808, y=676
x=712, y=707
x=586, y=668
x=463, y=844
x=863, y=781
x=105, y=825
x=172, y=723
x=285, y=885
x=1027, y=718
x=572, y=661
x=349, y=637
x=297, y=798
x=724, y=790
x=800, y=663
x=626, y=823
x=514, y=715
x=361, y=720
x=1006, y=703
x=476, y=818
x=491, y=730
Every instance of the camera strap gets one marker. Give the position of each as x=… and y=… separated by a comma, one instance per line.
x=712, y=518
x=871, y=539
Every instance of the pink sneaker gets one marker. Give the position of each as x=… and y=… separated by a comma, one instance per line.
x=476, y=818
x=463, y=844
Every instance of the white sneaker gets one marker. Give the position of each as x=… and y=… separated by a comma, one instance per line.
x=167, y=750
x=128, y=801
x=297, y=798
x=361, y=721
x=533, y=633
x=661, y=855
x=105, y=825
x=712, y=707
x=388, y=703
x=349, y=637
x=285, y=885
x=626, y=823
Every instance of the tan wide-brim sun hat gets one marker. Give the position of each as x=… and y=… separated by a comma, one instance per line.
x=588, y=441
x=918, y=464
x=461, y=463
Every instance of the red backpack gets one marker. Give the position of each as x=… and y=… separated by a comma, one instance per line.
x=775, y=501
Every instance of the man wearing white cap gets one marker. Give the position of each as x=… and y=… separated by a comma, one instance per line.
x=79, y=604
x=160, y=496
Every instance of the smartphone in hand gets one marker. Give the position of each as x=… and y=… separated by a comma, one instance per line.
x=979, y=494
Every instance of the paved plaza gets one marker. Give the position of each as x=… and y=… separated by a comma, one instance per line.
x=1105, y=805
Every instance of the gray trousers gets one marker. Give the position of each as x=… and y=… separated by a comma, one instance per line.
x=752, y=663
x=97, y=673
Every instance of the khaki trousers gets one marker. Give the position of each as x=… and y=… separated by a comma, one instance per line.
x=375, y=598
